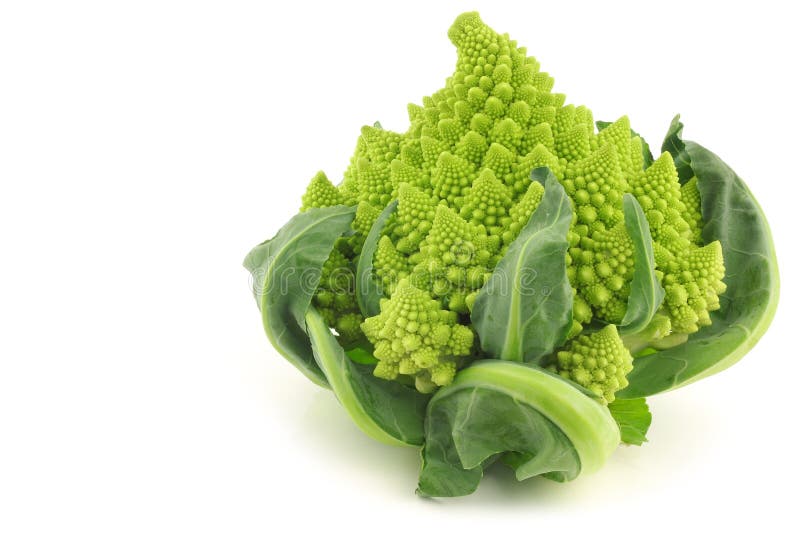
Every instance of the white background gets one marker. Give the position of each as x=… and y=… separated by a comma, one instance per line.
x=146, y=146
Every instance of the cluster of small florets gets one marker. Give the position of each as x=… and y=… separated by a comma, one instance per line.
x=461, y=175
x=335, y=297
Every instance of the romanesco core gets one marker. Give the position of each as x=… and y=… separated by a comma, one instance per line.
x=461, y=175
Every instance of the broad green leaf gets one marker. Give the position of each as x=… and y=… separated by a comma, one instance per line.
x=647, y=156
x=732, y=216
x=646, y=291
x=633, y=417
x=539, y=423
x=368, y=291
x=524, y=311
x=286, y=271
x=384, y=410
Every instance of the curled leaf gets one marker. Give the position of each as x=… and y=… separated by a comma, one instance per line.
x=536, y=422
x=286, y=271
x=732, y=216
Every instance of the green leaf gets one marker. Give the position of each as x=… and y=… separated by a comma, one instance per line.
x=633, y=417
x=675, y=146
x=524, y=311
x=368, y=290
x=384, y=410
x=539, y=423
x=732, y=216
x=286, y=271
x=646, y=291
x=647, y=155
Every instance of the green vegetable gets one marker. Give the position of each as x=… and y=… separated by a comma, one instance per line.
x=505, y=283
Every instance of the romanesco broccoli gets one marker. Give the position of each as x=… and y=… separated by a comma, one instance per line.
x=461, y=175
x=546, y=272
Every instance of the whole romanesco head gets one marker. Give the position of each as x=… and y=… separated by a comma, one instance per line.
x=461, y=176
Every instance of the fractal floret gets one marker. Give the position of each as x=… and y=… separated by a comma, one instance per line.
x=508, y=262
x=413, y=335
x=598, y=361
